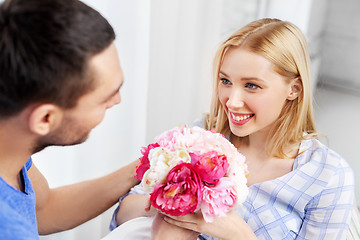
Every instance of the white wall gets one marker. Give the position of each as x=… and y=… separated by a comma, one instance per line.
x=309, y=16
x=341, y=45
x=340, y=80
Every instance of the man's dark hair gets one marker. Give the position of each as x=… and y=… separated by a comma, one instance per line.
x=45, y=46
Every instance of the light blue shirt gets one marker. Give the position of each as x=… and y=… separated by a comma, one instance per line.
x=17, y=210
x=314, y=201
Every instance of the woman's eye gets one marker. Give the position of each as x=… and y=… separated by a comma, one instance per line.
x=251, y=86
x=225, y=81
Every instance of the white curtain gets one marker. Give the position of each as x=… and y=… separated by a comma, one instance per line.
x=183, y=40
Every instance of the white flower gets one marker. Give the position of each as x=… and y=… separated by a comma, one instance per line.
x=162, y=160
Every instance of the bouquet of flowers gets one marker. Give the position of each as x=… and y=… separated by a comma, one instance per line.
x=191, y=169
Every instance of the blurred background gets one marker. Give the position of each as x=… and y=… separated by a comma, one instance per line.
x=166, y=49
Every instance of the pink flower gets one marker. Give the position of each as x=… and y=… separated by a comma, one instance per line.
x=182, y=192
x=170, y=138
x=211, y=166
x=144, y=163
x=218, y=200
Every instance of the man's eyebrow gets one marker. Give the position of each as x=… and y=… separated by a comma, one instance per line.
x=115, y=91
x=118, y=89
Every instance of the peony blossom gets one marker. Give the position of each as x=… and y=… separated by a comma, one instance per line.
x=190, y=169
x=218, y=200
x=144, y=163
x=211, y=166
x=182, y=192
x=162, y=160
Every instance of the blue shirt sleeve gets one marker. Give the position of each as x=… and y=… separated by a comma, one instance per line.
x=328, y=213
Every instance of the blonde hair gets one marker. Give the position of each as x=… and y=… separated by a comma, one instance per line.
x=283, y=44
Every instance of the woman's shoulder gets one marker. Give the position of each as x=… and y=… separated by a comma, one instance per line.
x=313, y=150
x=328, y=178
x=321, y=162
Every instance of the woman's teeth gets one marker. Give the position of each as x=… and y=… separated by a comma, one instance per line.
x=240, y=118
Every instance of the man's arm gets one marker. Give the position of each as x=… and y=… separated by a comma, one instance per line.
x=66, y=207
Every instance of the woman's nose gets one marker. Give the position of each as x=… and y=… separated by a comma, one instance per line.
x=235, y=100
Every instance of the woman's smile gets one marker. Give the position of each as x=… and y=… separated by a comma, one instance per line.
x=240, y=119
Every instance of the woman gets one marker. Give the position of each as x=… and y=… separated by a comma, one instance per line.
x=262, y=101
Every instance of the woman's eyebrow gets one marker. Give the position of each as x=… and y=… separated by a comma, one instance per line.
x=244, y=78
x=221, y=72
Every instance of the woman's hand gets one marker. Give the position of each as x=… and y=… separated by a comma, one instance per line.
x=230, y=227
x=162, y=230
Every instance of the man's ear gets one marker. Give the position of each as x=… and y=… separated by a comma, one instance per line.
x=44, y=118
x=295, y=89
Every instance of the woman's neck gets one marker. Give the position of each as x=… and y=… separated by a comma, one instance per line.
x=255, y=144
x=263, y=167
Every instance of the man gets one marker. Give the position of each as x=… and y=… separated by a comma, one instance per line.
x=59, y=72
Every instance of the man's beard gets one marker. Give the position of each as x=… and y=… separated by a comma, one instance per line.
x=40, y=145
x=67, y=135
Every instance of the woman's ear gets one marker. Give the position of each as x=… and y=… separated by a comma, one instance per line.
x=295, y=89
x=44, y=118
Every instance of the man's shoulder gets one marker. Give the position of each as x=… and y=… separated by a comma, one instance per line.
x=13, y=225
x=17, y=214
